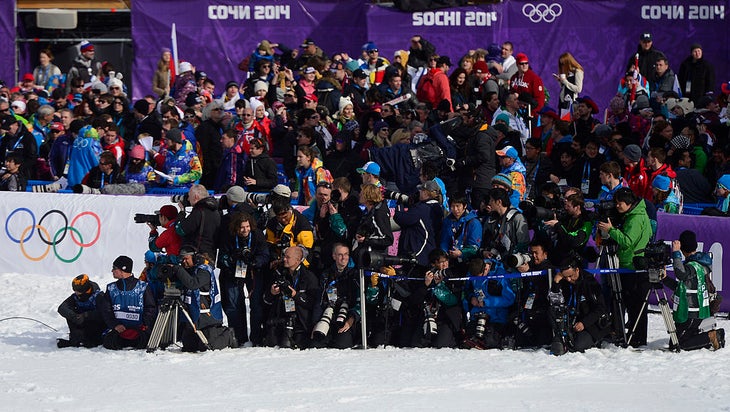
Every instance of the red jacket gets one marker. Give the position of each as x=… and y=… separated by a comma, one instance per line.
x=168, y=240
x=434, y=87
x=531, y=83
x=638, y=180
x=666, y=170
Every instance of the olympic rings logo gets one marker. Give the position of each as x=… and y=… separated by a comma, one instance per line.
x=542, y=12
x=59, y=236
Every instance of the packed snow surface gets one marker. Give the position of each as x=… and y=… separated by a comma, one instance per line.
x=36, y=376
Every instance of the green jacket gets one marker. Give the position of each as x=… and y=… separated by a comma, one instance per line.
x=633, y=235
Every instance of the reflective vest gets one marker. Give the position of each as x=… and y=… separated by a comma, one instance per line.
x=196, y=307
x=692, y=303
x=127, y=305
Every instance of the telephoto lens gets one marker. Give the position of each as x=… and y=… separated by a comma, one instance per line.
x=342, y=315
x=322, y=328
x=481, y=325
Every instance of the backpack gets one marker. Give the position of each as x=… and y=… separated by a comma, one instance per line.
x=426, y=152
x=425, y=91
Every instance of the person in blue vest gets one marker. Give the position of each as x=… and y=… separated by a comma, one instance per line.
x=202, y=301
x=85, y=324
x=128, y=308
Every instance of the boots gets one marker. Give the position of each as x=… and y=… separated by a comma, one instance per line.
x=717, y=338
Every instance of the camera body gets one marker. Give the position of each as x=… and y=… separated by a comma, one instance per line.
x=283, y=284
x=142, y=218
x=166, y=272
x=182, y=199
x=244, y=255
x=606, y=210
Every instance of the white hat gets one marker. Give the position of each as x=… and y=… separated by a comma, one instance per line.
x=344, y=102
x=185, y=67
x=18, y=106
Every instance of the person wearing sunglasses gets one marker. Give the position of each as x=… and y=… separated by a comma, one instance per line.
x=375, y=65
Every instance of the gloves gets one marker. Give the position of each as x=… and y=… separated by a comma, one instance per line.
x=494, y=288
x=374, y=279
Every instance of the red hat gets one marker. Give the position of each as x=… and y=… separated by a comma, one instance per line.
x=481, y=67
x=522, y=58
x=169, y=211
x=311, y=97
x=587, y=100
x=725, y=87
x=58, y=126
x=28, y=77
x=137, y=152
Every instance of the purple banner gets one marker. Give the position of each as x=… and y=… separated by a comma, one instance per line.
x=602, y=35
x=7, y=41
x=216, y=35
x=712, y=236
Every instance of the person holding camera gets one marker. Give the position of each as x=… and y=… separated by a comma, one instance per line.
x=692, y=306
x=374, y=230
x=291, y=299
x=489, y=303
x=578, y=312
x=128, y=308
x=420, y=223
x=80, y=310
x=461, y=233
x=200, y=295
x=243, y=257
x=340, y=302
x=329, y=225
x=630, y=236
x=573, y=230
x=288, y=228
x=169, y=241
x=438, y=301
x=199, y=228
x=507, y=233
x=533, y=323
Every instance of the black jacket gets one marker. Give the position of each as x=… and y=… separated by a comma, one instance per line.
x=585, y=298
x=199, y=228
x=263, y=169
x=700, y=73
x=307, y=298
x=208, y=136
x=231, y=247
x=419, y=234
x=96, y=179
x=375, y=226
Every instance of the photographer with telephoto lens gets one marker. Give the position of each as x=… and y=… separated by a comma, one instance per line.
x=489, y=303
x=242, y=258
x=339, y=309
x=439, y=317
x=291, y=298
x=199, y=228
x=532, y=322
x=578, y=312
x=572, y=229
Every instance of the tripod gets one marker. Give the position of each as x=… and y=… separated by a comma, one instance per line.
x=164, y=332
x=607, y=259
x=656, y=286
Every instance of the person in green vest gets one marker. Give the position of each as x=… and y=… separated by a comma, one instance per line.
x=695, y=324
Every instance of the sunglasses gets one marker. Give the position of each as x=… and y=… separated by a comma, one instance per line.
x=372, y=51
x=325, y=185
x=115, y=88
x=247, y=115
x=313, y=117
x=104, y=163
x=523, y=63
x=288, y=95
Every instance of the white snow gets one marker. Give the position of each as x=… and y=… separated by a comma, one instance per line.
x=35, y=375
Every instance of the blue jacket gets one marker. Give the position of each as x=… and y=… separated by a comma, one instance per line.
x=396, y=165
x=464, y=234
x=497, y=307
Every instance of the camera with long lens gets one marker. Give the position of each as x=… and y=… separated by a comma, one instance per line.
x=605, y=210
x=563, y=323
x=257, y=198
x=142, y=218
x=481, y=324
x=534, y=213
x=400, y=198
x=371, y=259
x=182, y=199
x=341, y=315
x=430, y=327
x=517, y=259
x=322, y=328
x=657, y=255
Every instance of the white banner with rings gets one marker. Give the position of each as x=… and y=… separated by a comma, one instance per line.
x=70, y=234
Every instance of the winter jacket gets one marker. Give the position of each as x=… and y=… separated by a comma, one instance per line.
x=308, y=292
x=633, y=235
x=230, y=170
x=169, y=240
x=496, y=306
x=638, y=179
x=691, y=300
x=434, y=87
x=647, y=60
x=375, y=227
x=464, y=234
x=700, y=74
x=396, y=165
x=307, y=180
x=479, y=164
x=199, y=228
x=148, y=312
x=531, y=83
x=418, y=232
x=263, y=169
x=586, y=299
x=97, y=179
x=208, y=136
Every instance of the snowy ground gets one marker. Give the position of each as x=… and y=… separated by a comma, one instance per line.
x=34, y=375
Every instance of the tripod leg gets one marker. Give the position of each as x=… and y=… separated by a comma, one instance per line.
x=668, y=319
x=158, y=329
x=643, y=308
x=619, y=323
x=198, y=332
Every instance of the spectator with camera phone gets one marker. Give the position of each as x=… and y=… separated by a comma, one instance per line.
x=242, y=258
x=291, y=299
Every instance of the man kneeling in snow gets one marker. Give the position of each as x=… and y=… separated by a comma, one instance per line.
x=85, y=324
